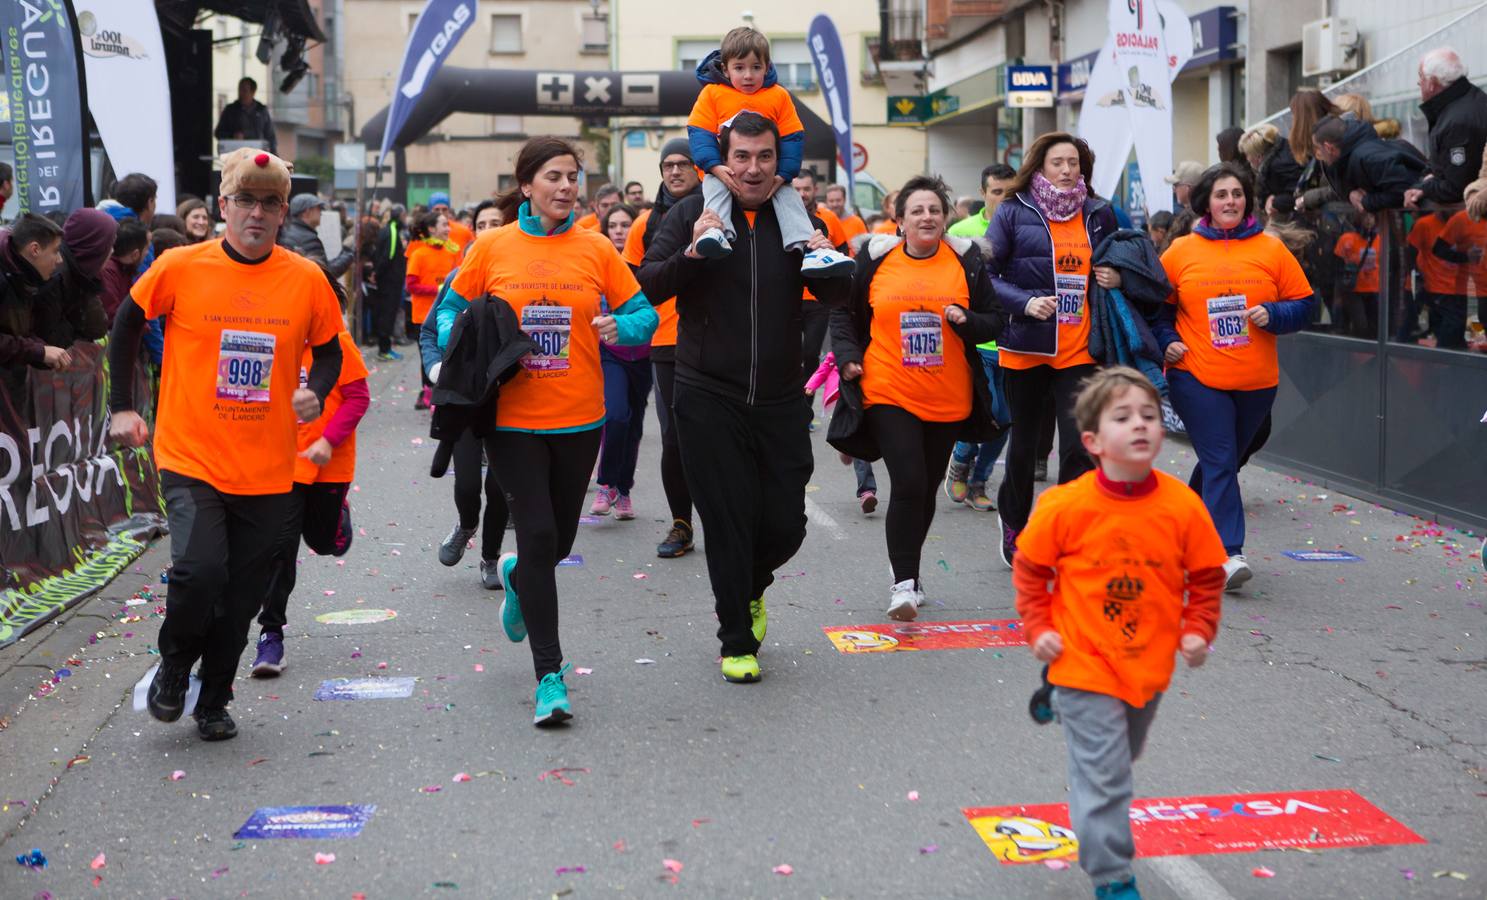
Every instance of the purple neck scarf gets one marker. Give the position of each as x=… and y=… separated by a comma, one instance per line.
x=1058, y=205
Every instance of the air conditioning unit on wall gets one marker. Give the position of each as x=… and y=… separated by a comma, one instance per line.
x=1328, y=46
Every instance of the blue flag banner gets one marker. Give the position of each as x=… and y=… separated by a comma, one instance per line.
x=46, y=105
x=438, y=28
x=831, y=69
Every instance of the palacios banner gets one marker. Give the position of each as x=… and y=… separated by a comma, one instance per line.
x=438, y=28
x=831, y=69
x=1106, y=121
x=47, y=105
x=74, y=511
x=124, y=58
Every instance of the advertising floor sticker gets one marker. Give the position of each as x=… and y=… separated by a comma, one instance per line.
x=305, y=822
x=574, y=560
x=900, y=636
x=356, y=616
x=1185, y=826
x=1322, y=556
x=365, y=689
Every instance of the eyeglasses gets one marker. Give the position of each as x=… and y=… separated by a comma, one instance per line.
x=270, y=204
x=675, y=166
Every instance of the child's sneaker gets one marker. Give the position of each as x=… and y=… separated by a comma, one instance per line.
x=1040, y=707
x=1118, y=890
x=820, y=263
x=903, y=601
x=624, y=510
x=956, y=487
x=976, y=498
x=713, y=244
x=1009, y=542
x=603, y=501
x=868, y=500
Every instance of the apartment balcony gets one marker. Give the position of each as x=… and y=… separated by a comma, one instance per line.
x=950, y=20
x=898, y=62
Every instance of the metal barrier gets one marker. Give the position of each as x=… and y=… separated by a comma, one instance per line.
x=1384, y=394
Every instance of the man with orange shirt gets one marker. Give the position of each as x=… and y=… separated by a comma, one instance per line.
x=836, y=201
x=240, y=312
x=679, y=180
x=605, y=199
x=1137, y=573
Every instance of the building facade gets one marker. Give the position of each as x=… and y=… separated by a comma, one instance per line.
x=468, y=155
x=655, y=34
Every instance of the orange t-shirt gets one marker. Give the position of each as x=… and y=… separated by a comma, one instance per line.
x=554, y=284
x=1351, y=249
x=1470, y=238
x=226, y=413
x=342, y=465
x=589, y=221
x=914, y=360
x=634, y=254
x=887, y=226
x=717, y=104
x=852, y=226
x=1071, y=268
x=834, y=230
x=430, y=265
x=1120, y=583
x=1214, y=284
x=459, y=235
x=1440, y=276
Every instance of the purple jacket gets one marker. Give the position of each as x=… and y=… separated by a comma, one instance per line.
x=1021, y=265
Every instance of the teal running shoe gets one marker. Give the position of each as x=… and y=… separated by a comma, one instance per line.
x=511, y=618
x=552, y=699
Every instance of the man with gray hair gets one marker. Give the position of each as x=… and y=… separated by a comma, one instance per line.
x=1457, y=112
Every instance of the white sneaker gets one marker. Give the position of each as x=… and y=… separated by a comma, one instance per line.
x=1236, y=572
x=713, y=244
x=903, y=603
x=821, y=263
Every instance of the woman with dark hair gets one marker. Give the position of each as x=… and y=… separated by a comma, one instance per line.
x=922, y=383
x=627, y=389
x=198, y=221
x=1308, y=107
x=1043, y=237
x=431, y=257
x=1235, y=288
x=558, y=280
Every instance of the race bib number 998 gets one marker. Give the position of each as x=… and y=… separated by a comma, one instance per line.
x=245, y=362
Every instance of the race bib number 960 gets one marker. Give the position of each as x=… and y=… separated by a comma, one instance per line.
x=245, y=362
x=550, y=327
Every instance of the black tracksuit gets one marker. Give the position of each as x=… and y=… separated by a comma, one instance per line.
x=740, y=409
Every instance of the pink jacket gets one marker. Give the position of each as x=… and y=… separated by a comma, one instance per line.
x=826, y=376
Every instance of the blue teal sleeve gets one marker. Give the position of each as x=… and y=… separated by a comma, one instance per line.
x=706, y=154
x=637, y=321
x=450, y=305
x=429, y=351
x=792, y=154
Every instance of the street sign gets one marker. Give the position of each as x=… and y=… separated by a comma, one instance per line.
x=942, y=104
x=859, y=158
x=906, y=110
x=1030, y=87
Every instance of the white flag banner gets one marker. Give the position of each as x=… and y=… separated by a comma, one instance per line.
x=1103, y=120
x=128, y=92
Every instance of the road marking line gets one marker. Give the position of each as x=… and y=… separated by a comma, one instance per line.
x=1187, y=879
x=818, y=515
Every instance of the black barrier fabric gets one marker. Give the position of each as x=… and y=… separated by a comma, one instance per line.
x=74, y=511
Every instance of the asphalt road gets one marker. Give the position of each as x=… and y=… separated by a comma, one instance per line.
x=851, y=769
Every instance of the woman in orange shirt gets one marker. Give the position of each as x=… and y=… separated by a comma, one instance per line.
x=431, y=257
x=1043, y=238
x=1235, y=288
x=558, y=280
x=922, y=383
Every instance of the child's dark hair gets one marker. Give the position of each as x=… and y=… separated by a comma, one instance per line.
x=131, y=236
x=163, y=239
x=1099, y=389
x=742, y=41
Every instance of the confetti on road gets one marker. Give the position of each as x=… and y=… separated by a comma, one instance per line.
x=674, y=866
x=784, y=869
x=561, y=775
x=324, y=859
x=98, y=862
x=178, y=774
x=1262, y=872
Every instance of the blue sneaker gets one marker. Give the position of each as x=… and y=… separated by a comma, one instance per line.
x=825, y=264
x=389, y=356
x=511, y=619
x=1118, y=890
x=552, y=699
x=269, y=661
x=713, y=244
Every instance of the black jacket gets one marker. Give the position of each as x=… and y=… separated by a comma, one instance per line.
x=69, y=307
x=390, y=259
x=20, y=285
x=486, y=346
x=1277, y=177
x=1384, y=170
x=304, y=240
x=1143, y=282
x=1458, y=133
x=253, y=122
x=740, y=325
x=851, y=332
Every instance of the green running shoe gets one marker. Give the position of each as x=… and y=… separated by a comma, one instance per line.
x=741, y=669
x=552, y=699
x=511, y=618
x=760, y=617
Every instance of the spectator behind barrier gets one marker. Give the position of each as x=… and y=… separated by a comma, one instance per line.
x=30, y=253
x=137, y=192
x=163, y=239
x=1276, y=170
x=120, y=269
x=1372, y=174
x=69, y=309
x=1457, y=112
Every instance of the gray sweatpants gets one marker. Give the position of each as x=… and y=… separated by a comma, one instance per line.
x=795, y=224
x=1104, y=735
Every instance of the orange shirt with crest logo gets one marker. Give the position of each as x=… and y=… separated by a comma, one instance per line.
x=209, y=426
x=1071, y=259
x=552, y=283
x=938, y=391
x=342, y=465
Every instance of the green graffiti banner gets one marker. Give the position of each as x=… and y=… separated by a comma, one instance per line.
x=74, y=509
